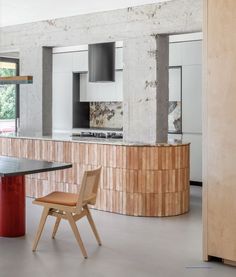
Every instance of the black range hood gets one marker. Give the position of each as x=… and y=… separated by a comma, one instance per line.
x=101, y=62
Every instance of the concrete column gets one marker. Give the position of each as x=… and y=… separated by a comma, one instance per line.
x=139, y=89
x=36, y=98
x=146, y=64
x=162, y=89
x=31, y=94
x=47, y=91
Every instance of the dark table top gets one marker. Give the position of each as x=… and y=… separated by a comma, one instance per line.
x=10, y=166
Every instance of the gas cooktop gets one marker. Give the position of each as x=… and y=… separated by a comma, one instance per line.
x=114, y=135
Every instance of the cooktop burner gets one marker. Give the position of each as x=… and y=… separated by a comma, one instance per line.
x=113, y=135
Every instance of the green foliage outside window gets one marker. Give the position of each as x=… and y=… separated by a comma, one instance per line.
x=7, y=96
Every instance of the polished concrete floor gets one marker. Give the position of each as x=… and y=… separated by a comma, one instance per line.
x=132, y=246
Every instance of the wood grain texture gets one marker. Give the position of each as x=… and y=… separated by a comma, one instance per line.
x=16, y=80
x=219, y=140
x=135, y=180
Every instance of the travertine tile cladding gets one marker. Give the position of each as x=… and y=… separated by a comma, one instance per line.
x=145, y=63
x=136, y=180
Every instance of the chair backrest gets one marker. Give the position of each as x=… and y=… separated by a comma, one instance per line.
x=89, y=188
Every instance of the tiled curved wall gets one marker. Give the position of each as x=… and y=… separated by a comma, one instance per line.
x=136, y=180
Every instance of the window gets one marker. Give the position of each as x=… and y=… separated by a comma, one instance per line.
x=9, y=96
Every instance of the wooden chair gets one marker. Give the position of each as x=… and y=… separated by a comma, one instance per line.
x=71, y=207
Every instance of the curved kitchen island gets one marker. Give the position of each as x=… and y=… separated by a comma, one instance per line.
x=137, y=179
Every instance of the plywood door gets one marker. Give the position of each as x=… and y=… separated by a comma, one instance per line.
x=219, y=145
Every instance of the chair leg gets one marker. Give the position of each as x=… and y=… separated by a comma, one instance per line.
x=92, y=224
x=40, y=228
x=76, y=233
x=58, y=220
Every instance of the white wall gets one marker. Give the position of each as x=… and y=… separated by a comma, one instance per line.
x=64, y=64
x=188, y=54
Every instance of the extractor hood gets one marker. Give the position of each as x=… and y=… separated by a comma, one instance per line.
x=16, y=80
x=101, y=62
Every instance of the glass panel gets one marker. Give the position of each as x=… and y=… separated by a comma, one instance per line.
x=7, y=98
x=8, y=69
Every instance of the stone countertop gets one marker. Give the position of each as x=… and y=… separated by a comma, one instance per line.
x=69, y=138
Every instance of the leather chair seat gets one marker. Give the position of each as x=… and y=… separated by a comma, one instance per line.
x=61, y=198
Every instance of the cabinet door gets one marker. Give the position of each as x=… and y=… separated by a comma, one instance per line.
x=192, y=99
x=80, y=61
x=62, y=101
x=94, y=92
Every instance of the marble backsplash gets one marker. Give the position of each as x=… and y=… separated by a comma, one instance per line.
x=174, y=117
x=106, y=115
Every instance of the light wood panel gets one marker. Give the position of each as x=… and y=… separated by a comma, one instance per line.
x=16, y=80
x=135, y=180
x=219, y=145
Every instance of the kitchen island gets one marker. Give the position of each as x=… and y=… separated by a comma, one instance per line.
x=137, y=179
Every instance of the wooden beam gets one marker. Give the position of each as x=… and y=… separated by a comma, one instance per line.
x=16, y=80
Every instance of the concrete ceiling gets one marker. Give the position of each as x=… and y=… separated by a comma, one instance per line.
x=14, y=12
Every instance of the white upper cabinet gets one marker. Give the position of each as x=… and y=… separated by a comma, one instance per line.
x=185, y=53
x=119, y=58
x=96, y=92
x=62, y=62
x=192, y=99
x=77, y=61
x=80, y=61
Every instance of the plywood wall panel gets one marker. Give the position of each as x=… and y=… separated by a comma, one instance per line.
x=219, y=141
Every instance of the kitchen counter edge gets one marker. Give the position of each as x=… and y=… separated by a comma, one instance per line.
x=68, y=138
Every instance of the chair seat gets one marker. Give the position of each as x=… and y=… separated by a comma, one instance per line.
x=61, y=198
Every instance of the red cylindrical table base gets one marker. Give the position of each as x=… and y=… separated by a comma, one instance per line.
x=12, y=206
